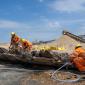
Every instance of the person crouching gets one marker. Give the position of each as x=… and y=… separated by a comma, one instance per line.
x=26, y=45
x=14, y=41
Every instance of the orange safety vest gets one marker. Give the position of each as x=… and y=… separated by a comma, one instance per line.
x=79, y=63
x=78, y=60
x=26, y=43
x=16, y=39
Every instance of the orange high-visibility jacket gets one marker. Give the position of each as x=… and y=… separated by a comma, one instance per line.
x=79, y=63
x=26, y=43
x=15, y=39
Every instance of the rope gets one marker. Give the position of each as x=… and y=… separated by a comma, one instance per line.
x=70, y=80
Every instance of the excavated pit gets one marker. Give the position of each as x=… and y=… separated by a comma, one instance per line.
x=26, y=74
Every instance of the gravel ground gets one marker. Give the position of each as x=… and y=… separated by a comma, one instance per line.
x=12, y=75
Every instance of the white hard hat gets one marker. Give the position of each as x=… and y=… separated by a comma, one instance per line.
x=13, y=33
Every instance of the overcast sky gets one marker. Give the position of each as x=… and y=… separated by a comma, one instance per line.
x=41, y=19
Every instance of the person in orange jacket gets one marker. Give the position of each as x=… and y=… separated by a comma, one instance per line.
x=14, y=40
x=26, y=45
x=78, y=58
x=79, y=49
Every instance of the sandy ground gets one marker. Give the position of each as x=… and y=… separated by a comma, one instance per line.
x=4, y=45
x=18, y=75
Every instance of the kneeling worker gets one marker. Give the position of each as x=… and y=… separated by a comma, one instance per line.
x=26, y=45
x=78, y=58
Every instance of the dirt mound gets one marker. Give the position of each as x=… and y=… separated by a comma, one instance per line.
x=4, y=45
x=67, y=42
